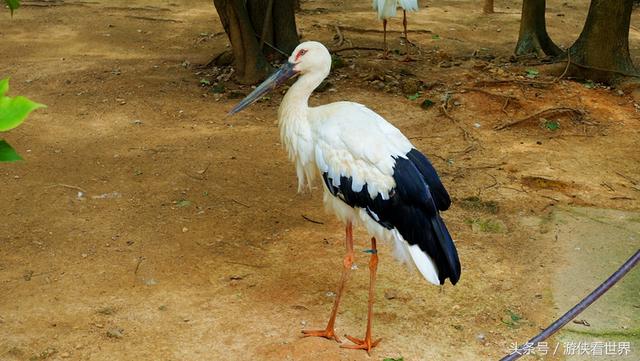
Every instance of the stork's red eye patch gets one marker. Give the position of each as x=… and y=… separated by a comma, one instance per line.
x=301, y=53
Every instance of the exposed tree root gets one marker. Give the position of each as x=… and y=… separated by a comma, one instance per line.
x=361, y=30
x=576, y=115
x=335, y=51
x=482, y=83
x=153, y=19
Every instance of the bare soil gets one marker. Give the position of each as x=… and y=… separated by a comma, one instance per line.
x=144, y=224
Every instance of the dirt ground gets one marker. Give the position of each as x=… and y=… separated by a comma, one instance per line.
x=146, y=225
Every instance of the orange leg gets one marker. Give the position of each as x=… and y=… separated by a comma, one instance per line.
x=329, y=332
x=385, y=54
x=407, y=58
x=367, y=344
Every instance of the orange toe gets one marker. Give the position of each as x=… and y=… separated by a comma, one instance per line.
x=328, y=333
x=360, y=344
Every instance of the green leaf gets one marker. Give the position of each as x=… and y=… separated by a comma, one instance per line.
x=14, y=111
x=204, y=81
x=7, y=153
x=184, y=203
x=426, y=104
x=532, y=73
x=218, y=88
x=514, y=316
x=4, y=86
x=551, y=124
x=435, y=37
x=12, y=4
x=414, y=96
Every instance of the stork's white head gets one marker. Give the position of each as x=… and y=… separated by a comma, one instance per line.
x=311, y=60
x=311, y=57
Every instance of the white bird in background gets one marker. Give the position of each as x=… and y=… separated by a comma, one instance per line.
x=372, y=175
x=387, y=9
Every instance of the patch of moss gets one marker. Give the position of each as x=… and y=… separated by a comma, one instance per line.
x=337, y=62
x=607, y=334
x=487, y=225
x=107, y=311
x=477, y=204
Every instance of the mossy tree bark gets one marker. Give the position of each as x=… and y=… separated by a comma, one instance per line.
x=533, y=37
x=244, y=23
x=601, y=53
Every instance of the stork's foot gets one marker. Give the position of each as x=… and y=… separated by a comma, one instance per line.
x=384, y=55
x=359, y=344
x=328, y=333
x=407, y=59
x=409, y=42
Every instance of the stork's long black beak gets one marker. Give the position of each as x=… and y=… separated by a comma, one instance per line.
x=284, y=73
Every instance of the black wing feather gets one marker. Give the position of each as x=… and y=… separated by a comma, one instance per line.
x=440, y=194
x=412, y=208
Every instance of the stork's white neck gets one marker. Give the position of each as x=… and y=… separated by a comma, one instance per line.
x=296, y=102
x=295, y=128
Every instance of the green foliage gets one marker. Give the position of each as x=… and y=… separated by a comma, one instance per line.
x=393, y=359
x=552, y=125
x=12, y=4
x=13, y=111
x=337, y=62
x=476, y=204
x=184, y=203
x=426, y=104
x=218, y=88
x=486, y=225
x=4, y=86
x=413, y=96
x=7, y=153
x=512, y=319
x=532, y=73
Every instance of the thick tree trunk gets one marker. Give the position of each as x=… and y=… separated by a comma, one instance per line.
x=280, y=31
x=601, y=53
x=533, y=37
x=244, y=23
x=248, y=61
x=488, y=7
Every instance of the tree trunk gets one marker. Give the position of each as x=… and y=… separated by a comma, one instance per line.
x=244, y=23
x=281, y=26
x=601, y=53
x=488, y=7
x=533, y=37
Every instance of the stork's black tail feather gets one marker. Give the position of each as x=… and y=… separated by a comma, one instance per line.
x=450, y=267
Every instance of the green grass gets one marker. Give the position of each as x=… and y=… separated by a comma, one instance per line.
x=477, y=204
x=486, y=225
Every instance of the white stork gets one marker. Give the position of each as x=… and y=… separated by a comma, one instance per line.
x=387, y=9
x=372, y=175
